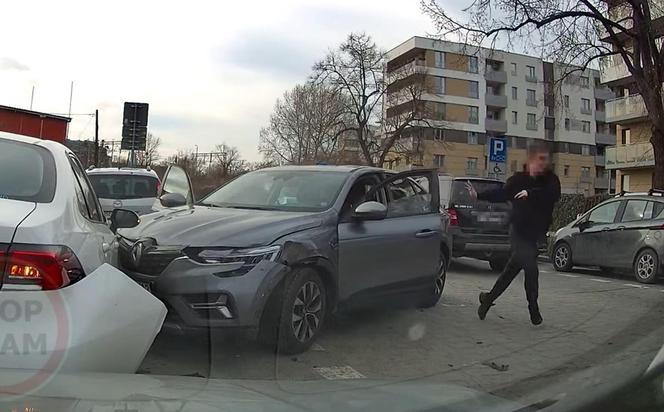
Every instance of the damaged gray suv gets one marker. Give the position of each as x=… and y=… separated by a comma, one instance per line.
x=277, y=250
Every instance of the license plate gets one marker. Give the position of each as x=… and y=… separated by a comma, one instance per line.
x=490, y=218
x=146, y=285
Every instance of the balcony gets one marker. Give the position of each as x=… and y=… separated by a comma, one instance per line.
x=600, y=160
x=604, y=93
x=637, y=155
x=600, y=116
x=605, y=138
x=495, y=76
x=613, y=68
x=494, y=100
x=624, y=109
x=622, y=12
x=494, y=125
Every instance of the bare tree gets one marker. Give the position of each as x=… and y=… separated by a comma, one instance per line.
x=304, y=126
x=151, y=153
x=571, y=32
x=227, y=161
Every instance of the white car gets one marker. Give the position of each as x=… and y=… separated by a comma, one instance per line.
x=56, y=284
x=125, y=188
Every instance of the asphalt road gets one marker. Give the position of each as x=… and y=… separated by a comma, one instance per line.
x=596, y=328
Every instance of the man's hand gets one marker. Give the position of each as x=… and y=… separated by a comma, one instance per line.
x=522, y=195
x=471, y=190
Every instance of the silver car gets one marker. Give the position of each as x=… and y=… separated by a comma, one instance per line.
x=277, y=249
x=125, y=188
x=625, y=232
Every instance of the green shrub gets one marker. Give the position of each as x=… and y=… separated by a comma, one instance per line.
x=569, y=206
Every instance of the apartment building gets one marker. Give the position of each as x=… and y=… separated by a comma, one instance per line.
x=473, y=94
x=632, y=157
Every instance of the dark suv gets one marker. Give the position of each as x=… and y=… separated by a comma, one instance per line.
x=478, y=229
x=277, y=249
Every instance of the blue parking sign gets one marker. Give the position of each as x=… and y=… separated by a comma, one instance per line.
x=497, y=149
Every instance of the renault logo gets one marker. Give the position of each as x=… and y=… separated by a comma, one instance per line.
x=140, y=247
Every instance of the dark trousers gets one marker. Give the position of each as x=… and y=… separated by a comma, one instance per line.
x=523, y=255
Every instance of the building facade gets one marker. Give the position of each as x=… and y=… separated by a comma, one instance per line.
x=472, y=94
x=632, y=157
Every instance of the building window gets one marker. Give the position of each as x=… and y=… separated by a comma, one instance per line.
x=515, y=117
x=585, y=82
x=549, y=111
x=471, y=164
x=530, y=97
x=472, y=64
x=472, y=138
x=585, y=105
x=513, y=69
x=531, y=72
x=438, y=160
x=566, y=101
x=439, y=135
x=567, y=123
x=585, y=150
x=585, y=126
x=439, y=85
x=566, y=170
x=473, y=115
x=531, y=122
x=625, y=136
x=514, y=93
x=439, y=59
x=439, y=111
x=585, y=171
x=474, y=89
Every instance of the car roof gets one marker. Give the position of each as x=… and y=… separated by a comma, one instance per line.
x=121, y=171
x=324, y=168
x=485, y=179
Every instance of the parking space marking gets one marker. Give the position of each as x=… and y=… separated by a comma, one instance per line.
x=635, y=286
x=600, y=280
x=334, y=373
x=568, y=275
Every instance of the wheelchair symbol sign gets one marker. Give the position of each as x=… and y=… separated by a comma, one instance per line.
x=497, y=150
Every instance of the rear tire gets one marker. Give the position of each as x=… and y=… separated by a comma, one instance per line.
x=646, y=266
x=432, y=296
x=303, y=311
x=498, y=263
x=562, y=257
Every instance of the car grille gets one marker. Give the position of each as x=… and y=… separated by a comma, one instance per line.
x=153, y=261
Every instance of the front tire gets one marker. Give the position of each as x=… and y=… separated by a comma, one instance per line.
x=303, y=311
x=432, y=296
x=646, y=266
x=562, y=257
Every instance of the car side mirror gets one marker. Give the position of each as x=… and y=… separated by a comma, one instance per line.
x=583, y=225
x=173, y=200
x=370, y=211
x=123, y=219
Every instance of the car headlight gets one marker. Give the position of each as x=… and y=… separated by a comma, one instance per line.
x=248, y=257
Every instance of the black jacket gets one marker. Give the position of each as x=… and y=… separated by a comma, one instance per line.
x=530, y=217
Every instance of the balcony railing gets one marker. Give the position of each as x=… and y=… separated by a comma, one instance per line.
x=625, y=108
x=600, y=116
x=604, y=93
x=493, y=125
x=630, y=156
x=613, y=68
x=495, y=76
x=605, y=138
x=495, y=100
x=600, y=160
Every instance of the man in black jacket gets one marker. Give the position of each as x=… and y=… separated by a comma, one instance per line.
x=533, y=194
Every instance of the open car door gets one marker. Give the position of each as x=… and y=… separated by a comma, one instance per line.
x=176, y=189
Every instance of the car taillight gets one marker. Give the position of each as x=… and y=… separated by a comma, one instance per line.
x=454, y=217
x=47, y=267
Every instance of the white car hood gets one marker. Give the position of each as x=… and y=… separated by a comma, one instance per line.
x=12, y=213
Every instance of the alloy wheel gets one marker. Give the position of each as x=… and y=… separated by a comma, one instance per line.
x=561, y=257
x=307, y=311
x=646, y=266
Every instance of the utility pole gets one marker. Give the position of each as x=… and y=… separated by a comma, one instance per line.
x=97, y=138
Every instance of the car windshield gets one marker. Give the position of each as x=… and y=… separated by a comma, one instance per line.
x=293, y=190
x=108, y=186
x=27, y=172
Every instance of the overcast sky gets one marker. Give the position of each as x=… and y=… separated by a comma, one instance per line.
x=210, y=71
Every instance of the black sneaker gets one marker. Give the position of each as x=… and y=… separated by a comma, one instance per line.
x=485, y=305
x=535, y=316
